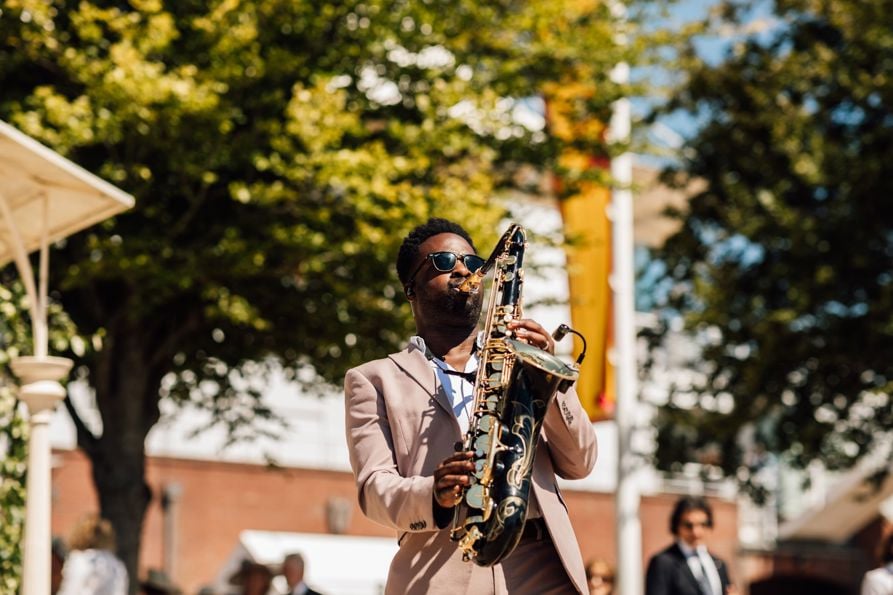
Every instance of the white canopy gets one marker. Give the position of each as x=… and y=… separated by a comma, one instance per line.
x=334, y=564
x=43, y=198
x=76, y=198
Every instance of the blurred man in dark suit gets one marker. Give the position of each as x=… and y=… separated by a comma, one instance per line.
x=686, y=567
x=293, y=570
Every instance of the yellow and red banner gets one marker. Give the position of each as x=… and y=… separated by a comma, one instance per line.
x=588, y=231
x=584, y=209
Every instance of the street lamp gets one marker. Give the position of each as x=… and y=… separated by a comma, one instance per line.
x=43, y=198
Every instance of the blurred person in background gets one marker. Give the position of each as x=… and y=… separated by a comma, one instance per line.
x=253, y=578
x=293, y=571
x=600, y=576
x=58, y=553
x=880, y=580
x=686, y=567
x=92, y=568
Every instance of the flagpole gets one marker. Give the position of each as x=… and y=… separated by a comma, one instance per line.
x=628, y=528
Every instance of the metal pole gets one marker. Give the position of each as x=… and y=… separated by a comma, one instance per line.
x=629, y=530
x=170, y=535
x=22, y=264
x=42, y=331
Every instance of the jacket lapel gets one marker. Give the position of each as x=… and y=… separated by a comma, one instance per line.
x=416, y=366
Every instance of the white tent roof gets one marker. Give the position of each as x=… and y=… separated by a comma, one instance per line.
x=334, y=564
x=77, y=199
x=851, y=505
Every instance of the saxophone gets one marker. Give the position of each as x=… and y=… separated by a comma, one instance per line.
x=513, y=387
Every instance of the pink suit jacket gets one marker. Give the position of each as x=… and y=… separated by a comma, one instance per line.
x=400, y=426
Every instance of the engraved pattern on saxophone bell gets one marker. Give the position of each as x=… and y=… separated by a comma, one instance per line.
x=506, y=510
x=524, y=426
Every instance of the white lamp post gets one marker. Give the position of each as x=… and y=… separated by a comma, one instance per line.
x=627, y=497
x=43, y=198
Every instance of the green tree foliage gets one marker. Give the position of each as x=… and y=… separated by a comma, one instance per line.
x=782, y=269
x=278, y=151
x=13, y=438
x=13, y=435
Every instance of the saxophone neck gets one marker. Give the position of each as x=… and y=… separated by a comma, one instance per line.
x=515, y=233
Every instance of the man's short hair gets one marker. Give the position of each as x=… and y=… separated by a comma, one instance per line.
x=294, y=557
x=685, y=505
x=409, y=250
x=93, y=532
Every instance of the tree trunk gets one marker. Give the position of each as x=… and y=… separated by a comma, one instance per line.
x=123, y=499
x=126, y=388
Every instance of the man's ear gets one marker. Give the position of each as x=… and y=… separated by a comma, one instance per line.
x=409, y=291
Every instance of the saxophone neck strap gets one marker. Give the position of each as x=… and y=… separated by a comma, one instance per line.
x=468, y=376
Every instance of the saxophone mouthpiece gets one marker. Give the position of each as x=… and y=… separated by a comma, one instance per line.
x=472, y=283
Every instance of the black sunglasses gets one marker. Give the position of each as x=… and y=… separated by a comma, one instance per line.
x=446, y=262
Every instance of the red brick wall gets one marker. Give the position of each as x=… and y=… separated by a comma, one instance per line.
x=219, y=500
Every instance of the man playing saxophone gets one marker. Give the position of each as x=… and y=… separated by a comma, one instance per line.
x=406, y=412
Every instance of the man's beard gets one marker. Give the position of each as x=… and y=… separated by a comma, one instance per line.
x=456, y=306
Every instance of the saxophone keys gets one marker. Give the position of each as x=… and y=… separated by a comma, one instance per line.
x=479, y=468
x=481, y=471
x=474, y=497
x=481, y=445
x=485, y=422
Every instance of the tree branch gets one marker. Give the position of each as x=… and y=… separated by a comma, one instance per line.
x=168, y=345
x=85, y=438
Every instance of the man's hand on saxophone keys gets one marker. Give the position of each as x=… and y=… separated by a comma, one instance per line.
x=533, y=333
x=450, y=477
